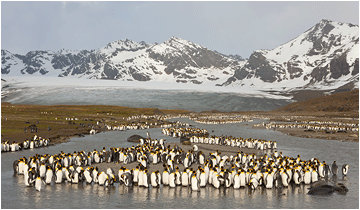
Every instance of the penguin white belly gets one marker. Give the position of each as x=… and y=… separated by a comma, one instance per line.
x=48, y=176
x=165, y=178
x=145, y=180
x=242, y=179
x=269, y=181
x=21, y=167
x=314, y=176
x=284, y=179
x=26, y=178
x=102, y=178
x=95, y=176
x=88, y=176
x=216, y=181
x=59, y=176
x=184, y=179
x=237, y=181
x=153, y=180
x=172, y=180
x=142, y=178
x=202, y=180
x=307, y=177
x=42, y=171
x=194, y=183
x=38, y=184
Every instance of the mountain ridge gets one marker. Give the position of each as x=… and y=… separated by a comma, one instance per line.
x=323, y=57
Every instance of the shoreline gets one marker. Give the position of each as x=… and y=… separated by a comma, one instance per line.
x=83, y=117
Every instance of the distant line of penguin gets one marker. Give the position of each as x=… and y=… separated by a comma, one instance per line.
x=215, y=169
x=34, y=142
x=197, y=135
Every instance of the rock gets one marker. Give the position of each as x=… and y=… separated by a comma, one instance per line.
x=183, y=139
x=135, y=138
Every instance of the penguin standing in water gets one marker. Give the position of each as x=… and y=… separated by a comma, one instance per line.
x=237, y=180
x=127, y=179
x=345, y=169
x=87, y=175
x=102, y=178
x=184, y=178
x=172, y=178
x=145, y=177
x=254, y=183
x=154, y=179
x=195, y=185
x=165, y=176
x=297, y=177
x=269, y=180
x=38, y=183
x=284, y=178
x=334, y=168
x=242, y=178
x=202, y=178
x=95, y=175
x=135, y=176
x=307, y=177
x=48, y=175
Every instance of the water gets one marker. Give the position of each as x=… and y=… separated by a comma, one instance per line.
x=14, y=194
x=143, y=98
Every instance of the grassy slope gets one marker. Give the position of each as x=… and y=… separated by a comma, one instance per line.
x=14, y=119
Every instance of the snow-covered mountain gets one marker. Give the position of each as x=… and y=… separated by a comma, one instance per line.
x=325, y=56
x=175, y=60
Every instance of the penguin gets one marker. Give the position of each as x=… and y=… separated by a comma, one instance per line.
x=314, y=176
x=145, y=177
x=307, y=177
x=194, y=183
x=102, y=178
x=38, y=183
x=75, y=177
x=136, y=175
x=242, y=177
x=127, y=179
x=334, y=168
x=345, y=169
x=21, y=166
x=153, y=179
x=177, y=176
x=321, y=170
x=202, y=178
x=228, y=180
x=172, y=178
x=87, y=175
x=269, y=180
x=165, y=177
x=49, y=175
x=184, y=178
x=237, y=180
x=284, y=178
x=95, y=175
x=28, y=177
x=297, y=177
x=253, y=183
x=216, y=181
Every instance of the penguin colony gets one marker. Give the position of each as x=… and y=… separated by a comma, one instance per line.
x=315, y=125
x=197, y=135
x=35, y=142
x=239, y=171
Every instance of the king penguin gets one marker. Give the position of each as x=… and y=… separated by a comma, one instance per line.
x=194, y=183
x=345, y=169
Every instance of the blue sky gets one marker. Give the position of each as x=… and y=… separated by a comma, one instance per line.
x=234, y=27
